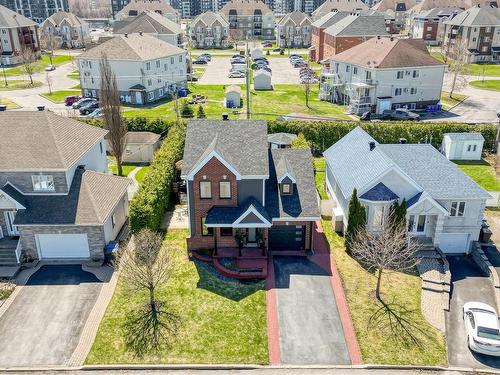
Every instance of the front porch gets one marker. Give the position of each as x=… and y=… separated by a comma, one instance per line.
x=10, y=250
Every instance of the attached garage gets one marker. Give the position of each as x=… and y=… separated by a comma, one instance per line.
x=287, y=237
x=62, y=246
x=454, y=243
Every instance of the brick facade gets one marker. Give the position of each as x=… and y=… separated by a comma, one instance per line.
x=95, y=236
x=308, y=230
x=334, y=45
x=317, y=42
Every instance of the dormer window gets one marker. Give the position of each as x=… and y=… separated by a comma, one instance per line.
x=43, y=183
x=286, y=188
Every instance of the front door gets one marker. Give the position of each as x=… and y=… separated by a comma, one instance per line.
x=9, y=220
x=138, y=97
x=251, y=235
x=416, y=225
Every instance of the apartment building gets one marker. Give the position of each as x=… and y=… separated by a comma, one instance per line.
x=37, y=10
x=294, y=30
x=209, y=30
x=249, y=18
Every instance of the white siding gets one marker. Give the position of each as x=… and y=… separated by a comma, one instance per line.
x=120, y=216
x=93, y=160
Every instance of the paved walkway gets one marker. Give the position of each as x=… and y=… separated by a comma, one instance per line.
x=134, y=186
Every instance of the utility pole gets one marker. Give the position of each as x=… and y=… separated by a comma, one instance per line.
x=247, y=76
x=497, y=164
x=4, y=75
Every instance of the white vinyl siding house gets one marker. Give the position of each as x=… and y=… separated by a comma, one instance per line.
x=462, y=146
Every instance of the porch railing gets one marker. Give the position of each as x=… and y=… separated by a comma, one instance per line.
x=18, y=251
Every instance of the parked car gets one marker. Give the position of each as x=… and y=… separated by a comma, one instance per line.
x=89, y=108
x=206, y=56
x=70, y=100
x=238, y=60
x=236, y=74
x=50, y=68
x=260, y=59
x=95, y=114
x=482, y=328
x=400, y=114
x=258, y=65
x=199, y=61
x=193, y=79
x=299, y=64
x=84, y=101
x=267, y=44
x=266, y=68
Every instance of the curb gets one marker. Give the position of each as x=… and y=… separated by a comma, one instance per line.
x=273, y=336
x=458, y=103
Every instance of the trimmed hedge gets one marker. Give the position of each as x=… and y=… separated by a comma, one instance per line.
x=138, y=124
x=151, y=201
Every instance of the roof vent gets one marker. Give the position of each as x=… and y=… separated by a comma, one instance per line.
x=225, y=116
x=372, y=145
x=126, y=35
x=402, y=141
x=378, y=36
x=140, y=33
x=392, y=38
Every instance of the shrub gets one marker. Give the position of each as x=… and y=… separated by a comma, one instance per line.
x=300, y=142
x=151, y=201
x=186, y=110
x=356, y=220
x=201, y=112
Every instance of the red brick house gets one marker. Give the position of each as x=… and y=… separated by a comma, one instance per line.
x=243, y=194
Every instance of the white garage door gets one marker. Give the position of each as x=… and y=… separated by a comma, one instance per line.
x=454, y=243
x=63, y=246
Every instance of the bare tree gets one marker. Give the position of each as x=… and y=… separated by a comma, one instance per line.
x=28, y=58
x=307, y=91
x=236, y=35
x=49, y=82
x=146, y=266
x=388, y=249
x=458, y=66
x=109, y=100
x=49, y=43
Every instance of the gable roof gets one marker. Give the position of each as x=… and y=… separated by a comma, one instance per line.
x=43, y=140
x=303, y=202
x=330, y=19
x=438, y=13
x=152, y=5
x=245, y=7
x=209, y=18
x=296, y=17
x=355, y=166
x=338, y=6
x=281, y=138
x=241, y=143
x=91, y=200
x=142, y=137
x=357, y=25
x=476, y=16
x=472, y=136
x=389, y=53
x=70, y=18
x=384, y=5
x=134, y=47
x=379, y=193
x=223, y=215
x=432, y=4
x=149, y=23
x=10, y=19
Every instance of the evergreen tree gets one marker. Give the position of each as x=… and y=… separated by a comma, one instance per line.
x=398, y=213
x=186, y=110
x=356, y=220
x=300, y=142
x=201, y=112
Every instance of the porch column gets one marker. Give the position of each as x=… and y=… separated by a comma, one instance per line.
x=216, y=231
x=439, y=230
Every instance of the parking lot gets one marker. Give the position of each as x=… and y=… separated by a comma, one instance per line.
x=217, y=70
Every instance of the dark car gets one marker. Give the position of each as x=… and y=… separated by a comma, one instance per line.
x=199, y=61
x=206, y=56
x=82, y=102
x=72, y=99
x=89, y=108
x=400, y=114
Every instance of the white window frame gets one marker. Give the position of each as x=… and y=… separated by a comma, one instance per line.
x=205, y=190
x=225, y=189
x=457, y=209
x=43, y=182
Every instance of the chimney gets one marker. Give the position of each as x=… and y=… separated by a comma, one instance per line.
x=402, y=141
x=378, y=36
x=126, y=35
x=225, y=116
x=372, y=145
x=40, y=107
x=140, y=33
x=392, y=38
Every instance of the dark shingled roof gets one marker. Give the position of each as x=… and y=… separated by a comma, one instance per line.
x=281, y=138
x=379, y=193
x=228, y=215
x=304, y=201
x=242, y=143
x=414, y=199
x=90, y=201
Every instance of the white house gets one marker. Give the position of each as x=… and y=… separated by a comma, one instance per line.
x=443, y=203
x=141, y=147
x=462, y=146
x=262, y=80
x=146, y=68
x=67, y=30
x=233, y=96
x=153, y=24
x=383, y=73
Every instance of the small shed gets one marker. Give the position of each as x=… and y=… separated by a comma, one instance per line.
x=256, y=52
x=462, y=146
x=280, y=140
x=262, y=80
x=141, y=147
x=233, y=96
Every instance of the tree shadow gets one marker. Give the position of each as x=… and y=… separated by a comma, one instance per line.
x=150, y=331
x=400, y=321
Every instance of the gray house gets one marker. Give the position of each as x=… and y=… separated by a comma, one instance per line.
x=443, y=204
x=56, y=201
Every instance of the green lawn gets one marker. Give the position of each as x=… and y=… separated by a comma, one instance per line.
x=319, y=176
x=402, y=292
x=139, y=176
x=475, y=69
x=487, y=84
x=221, y=321
x=284, y=99
x=126, y=168
x=482, y=172
x=39, y=65
x=59, y=96
x=75, y=74
x=9, y=103
x=19, y=84
x=448, y=102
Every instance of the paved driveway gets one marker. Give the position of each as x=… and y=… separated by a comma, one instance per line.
x=217, y=71
x=310, y=330
x=44, y=322
x=468, y=284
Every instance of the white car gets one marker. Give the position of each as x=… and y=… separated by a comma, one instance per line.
x=482, y=328
x=236, y=74
x=50, y=68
